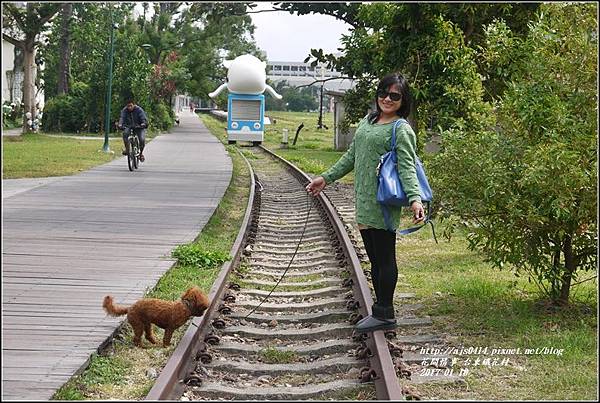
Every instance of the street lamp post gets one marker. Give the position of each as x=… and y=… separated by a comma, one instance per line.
x=106, y=147
x=320, y=124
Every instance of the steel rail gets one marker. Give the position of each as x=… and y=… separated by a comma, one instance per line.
x=386, y=382
x=168, y=385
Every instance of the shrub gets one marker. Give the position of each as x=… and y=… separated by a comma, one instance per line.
x=160, y=116
x=526, y=191
x=194, y=255
x=68, y=112
x=11, y=114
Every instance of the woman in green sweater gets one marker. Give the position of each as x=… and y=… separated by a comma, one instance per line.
x=373, y=139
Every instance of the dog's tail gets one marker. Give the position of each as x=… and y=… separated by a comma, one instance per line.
x=112, y=309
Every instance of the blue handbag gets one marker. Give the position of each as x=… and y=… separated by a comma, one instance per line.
x=390, y=191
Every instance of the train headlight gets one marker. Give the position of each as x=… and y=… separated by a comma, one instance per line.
x=257, y=125
x=234, y=125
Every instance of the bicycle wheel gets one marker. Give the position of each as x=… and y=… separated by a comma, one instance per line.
x=136, y=152
x=130, y=156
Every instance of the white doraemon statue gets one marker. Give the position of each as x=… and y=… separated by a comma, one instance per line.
x=246, y=75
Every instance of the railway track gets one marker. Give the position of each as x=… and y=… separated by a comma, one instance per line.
x=299, y=343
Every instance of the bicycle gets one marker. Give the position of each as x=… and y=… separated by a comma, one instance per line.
x=133, y=156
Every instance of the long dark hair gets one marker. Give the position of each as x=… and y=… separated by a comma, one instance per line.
x=384, y=84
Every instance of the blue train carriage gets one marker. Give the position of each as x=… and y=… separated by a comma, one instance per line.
x=245, y=120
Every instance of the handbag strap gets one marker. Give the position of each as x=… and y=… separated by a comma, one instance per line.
x=396, y=124
x=387, y=217
x=426, y=221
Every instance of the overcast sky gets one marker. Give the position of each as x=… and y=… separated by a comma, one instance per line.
x=289, y=37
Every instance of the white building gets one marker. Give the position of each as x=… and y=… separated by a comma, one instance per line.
x=12, y=76
x=298, y=73
x=10, y=92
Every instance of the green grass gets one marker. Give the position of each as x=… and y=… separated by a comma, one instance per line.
x=35, y=155
x=479, y=306
x=275, y=356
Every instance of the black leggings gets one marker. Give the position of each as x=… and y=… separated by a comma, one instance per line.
x=381, y=249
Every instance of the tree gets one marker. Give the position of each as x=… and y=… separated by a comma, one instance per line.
x=89, y=41
x=408, y=37
x=526, y=191
x=178, y=49
x=294, y=99
x=21, y=27
x=66, y=14
x=227, y=32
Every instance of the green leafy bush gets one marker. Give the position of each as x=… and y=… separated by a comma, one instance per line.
x=11, y=114
x=526, y=191
x=68, y=113
x=159, y=116
x=194, y=255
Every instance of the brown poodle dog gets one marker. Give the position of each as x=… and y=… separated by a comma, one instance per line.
x=168, y=315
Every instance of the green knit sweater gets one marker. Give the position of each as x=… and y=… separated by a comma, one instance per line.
x=370, y=142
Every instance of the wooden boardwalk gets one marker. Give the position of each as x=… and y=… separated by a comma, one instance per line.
x=70, y=242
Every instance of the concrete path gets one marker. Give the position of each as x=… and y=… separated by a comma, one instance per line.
x=69, y=241
x=12, y=132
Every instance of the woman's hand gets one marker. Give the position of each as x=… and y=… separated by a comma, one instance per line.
x=418, y=212
x=316, y=185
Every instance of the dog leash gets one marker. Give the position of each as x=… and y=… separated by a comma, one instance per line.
x=310, y=205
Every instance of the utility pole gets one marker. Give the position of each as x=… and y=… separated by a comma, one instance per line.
x=320, y=123
x=106, y=147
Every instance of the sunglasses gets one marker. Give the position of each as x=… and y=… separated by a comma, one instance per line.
x=394, y=96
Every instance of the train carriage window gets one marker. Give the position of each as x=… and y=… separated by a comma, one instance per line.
x=245, y=109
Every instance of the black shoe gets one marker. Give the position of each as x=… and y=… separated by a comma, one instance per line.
x=124, y=152
x=371, y=323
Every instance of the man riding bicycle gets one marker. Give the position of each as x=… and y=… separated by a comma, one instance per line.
x=134, y=117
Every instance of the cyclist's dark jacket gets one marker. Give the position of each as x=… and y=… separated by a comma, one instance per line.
x=134, y=118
